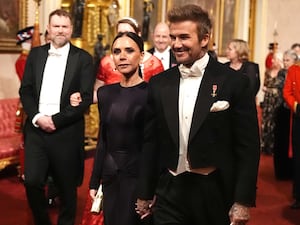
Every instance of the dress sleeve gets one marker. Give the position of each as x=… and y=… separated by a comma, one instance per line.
x=152, y=67
x=289, y=87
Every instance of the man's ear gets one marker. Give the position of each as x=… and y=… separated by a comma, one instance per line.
x=205, y=40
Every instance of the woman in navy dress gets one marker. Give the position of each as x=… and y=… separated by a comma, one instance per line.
x=121, y=108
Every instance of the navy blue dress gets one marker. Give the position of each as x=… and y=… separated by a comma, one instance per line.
x=116, y=164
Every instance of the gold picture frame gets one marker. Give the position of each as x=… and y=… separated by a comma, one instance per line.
x=13, y=17
x=227, y=24
x=224, y=17
x=153, y=8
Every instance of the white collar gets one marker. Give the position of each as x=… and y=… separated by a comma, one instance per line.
x=166, y=51
x=198, y=67
x=62, y=51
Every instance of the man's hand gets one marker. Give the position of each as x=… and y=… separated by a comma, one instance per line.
x=46, y=124
x=239, y=214
x=143, y=207
x=75, y=99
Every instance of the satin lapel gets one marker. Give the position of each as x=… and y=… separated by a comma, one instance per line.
x=169, y=96
x=41, y=59
x=205, y=98
x=71, y=67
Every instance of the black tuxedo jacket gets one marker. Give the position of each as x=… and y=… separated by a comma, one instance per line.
x=69, y=122
x=228, y=139
x=172, y=62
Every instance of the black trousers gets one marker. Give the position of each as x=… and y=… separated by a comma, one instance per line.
x=41, y=156
x=190, y=199
x=296, y=156
x=282, y=163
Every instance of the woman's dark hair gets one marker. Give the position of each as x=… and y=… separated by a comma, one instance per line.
x=136, y=38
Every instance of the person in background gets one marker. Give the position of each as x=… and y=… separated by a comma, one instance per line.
x=162, y=50
x=296, y=47
x=107, y=72
x=269, y=59
x=272, y=100
x=54, y=130
x=121, y=108
x=291, y=94
x=237, y=52
x=99, y=50
x=282, y=146
x=201, y=141
x=213, y=51
x=24, y=38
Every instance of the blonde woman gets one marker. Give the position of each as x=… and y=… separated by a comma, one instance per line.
x=238, y=54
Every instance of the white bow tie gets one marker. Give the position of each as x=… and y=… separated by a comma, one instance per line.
x=53, y=52
x=186, y=72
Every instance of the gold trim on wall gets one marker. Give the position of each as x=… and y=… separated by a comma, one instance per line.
x=252, y=28
x=8, y=45
x=227, y=29
x=137, y=12
x=213, y=7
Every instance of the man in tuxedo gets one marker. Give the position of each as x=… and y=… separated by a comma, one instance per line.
x=54, y=130
x=162, y=50
x=201, y=144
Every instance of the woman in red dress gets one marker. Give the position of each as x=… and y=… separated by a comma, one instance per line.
x=107, y=73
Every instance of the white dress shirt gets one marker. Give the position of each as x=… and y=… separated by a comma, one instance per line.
x=164, y=57
x=188, y=92
x=53, y=77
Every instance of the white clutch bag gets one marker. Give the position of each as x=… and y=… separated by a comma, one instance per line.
x=97, y=203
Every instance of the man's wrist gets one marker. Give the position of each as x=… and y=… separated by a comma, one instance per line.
x=35, y=119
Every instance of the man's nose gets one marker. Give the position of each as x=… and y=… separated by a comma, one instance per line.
x=177, y=42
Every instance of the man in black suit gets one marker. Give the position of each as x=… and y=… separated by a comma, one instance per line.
x=162, y=50
x=54, y=130
x=201, y=144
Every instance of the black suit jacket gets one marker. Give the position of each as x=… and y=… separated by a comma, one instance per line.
x=69, y=122
x=172, y=62
x=228, y=139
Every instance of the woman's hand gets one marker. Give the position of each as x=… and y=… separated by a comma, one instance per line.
x=75, y=99
x=93, y=193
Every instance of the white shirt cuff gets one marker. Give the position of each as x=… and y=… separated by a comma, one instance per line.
x=35, y=118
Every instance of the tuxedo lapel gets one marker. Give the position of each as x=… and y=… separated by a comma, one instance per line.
x=205, y=97
x=70, y=69
x=41, y=58
x=169, y=95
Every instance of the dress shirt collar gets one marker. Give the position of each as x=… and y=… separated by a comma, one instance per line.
x=163, y=54
x=63, y=51
x=197, y=69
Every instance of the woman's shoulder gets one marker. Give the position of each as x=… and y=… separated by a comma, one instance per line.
x=109, y=88
x=150, y=59
x=295, y=68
